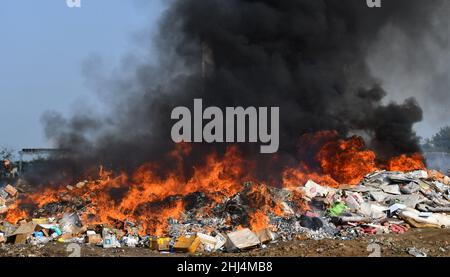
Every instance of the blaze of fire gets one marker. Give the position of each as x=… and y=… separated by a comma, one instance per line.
x=144, y=197
x=259, y=221
x=346, y=161
x=406, y=163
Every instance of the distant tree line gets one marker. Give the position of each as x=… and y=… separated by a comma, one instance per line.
x=439, y=142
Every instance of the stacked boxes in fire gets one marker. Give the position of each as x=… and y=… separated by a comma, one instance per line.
x=383, y=202
x=7, y=196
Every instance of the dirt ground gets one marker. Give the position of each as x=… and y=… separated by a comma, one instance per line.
x=433, y=242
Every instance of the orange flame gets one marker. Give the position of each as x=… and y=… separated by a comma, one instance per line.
x=406, y=163
x=149, y=199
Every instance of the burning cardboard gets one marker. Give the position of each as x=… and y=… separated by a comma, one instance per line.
x=80, y=185
x=291, y=212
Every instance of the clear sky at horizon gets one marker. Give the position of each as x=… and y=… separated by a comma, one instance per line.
x=43, y=45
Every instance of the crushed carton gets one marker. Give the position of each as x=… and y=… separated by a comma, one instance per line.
x=40, y=220
x=3, y=194
x=3, y=209
x=373, y=210
x=312, y=189
x=80, y=185
x=392, y=189
x=354, y=201
x=187, y=244
x=208, y=241
x=418, y=174
x=10, y=190
x=396, y=207
x=265, y=235
x=414, y=218
x=25, y=230
x=242, y=239
x=110, y=241
x=221, y=241
x=163, y=244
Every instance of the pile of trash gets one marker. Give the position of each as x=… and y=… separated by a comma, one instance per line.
x=383, y=202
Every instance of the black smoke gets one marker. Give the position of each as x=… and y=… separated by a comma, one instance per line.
x=307, y=57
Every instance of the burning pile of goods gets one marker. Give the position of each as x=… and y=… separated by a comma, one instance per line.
x=223, y=208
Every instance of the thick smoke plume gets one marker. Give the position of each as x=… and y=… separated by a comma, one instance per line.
x=408, y=66
x=307, y=57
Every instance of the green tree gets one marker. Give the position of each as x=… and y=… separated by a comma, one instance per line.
x=5, y=153
x=440, y=141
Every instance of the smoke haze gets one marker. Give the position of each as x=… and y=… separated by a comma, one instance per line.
x=323, y=62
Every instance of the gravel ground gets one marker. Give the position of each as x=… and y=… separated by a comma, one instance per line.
x=433, y=242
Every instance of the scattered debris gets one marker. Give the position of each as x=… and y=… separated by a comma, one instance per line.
x=383, y=202
x=416, y=253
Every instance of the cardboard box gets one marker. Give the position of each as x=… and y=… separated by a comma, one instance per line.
x=94, y=239
x=25, y=230
x=153, y=243
x=187, y=244
x=242, y=239
x=163, y=244
x=265, y=235
x=221, y=241
x=80, y=185
x=207, y=240
x=40, y=220
x=3, y=194
x=67, y=236
x=21, y=238
x=12, y=191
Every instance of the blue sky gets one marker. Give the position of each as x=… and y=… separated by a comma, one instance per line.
x=43, y=45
